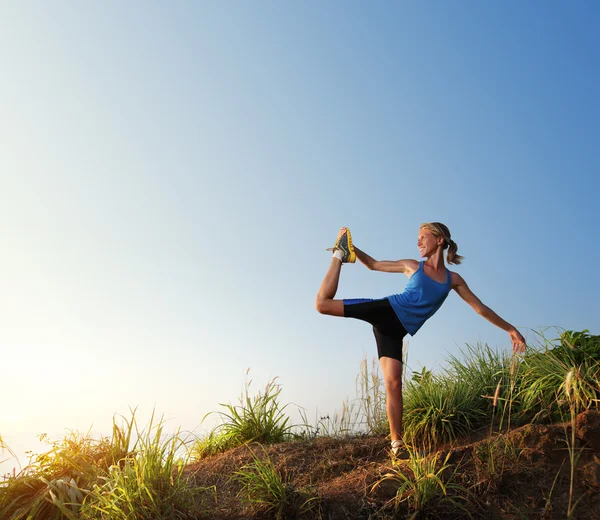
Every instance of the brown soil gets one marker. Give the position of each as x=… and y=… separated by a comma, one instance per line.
x=524, y=473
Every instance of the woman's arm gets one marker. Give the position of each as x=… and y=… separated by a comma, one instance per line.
x=461, y=287
x=388, y=266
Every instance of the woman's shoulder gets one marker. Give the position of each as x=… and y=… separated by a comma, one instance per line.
x=410, y=266
x=456, y=278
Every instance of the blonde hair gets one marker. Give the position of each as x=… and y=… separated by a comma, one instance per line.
x=441, y=230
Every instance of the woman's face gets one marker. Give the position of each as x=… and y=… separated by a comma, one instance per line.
x=427, y=243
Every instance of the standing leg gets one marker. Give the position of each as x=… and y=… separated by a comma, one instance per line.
x=392, y=377
x=325, y=303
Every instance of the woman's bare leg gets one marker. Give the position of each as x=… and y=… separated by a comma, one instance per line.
x=392, y=376
x=325, y=303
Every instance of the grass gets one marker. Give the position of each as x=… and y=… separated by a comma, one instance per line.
x=53, y=485
x=439, y=409
x=570, y=389
x=371, y=412
x=263, y=489
x=139, y=473
x=366, y=414
x=149, y=482
x=491, y=459
x=544, y=377
x=5, y=448
x=483, y=367
x=427, y=485
x=337, y=425
x=478, y=387
x=442, y=407
x=482, y=386
x=545, y=370
x=259, y=418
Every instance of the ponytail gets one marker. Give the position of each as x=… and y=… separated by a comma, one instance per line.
x=452, y=256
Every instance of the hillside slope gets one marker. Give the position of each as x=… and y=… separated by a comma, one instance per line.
x=525, y=473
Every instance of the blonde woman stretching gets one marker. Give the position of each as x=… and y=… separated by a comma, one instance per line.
x=395, y=316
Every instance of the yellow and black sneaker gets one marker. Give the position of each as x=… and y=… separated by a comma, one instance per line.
x=344, y=244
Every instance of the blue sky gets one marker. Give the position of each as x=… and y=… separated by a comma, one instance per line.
x=171, y=176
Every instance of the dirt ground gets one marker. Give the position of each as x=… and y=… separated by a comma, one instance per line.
x=525, y=473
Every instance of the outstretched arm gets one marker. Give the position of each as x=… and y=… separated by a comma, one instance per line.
x=388, y=266
x=461, y=287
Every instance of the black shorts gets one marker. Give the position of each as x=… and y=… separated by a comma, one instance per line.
x=389, y=331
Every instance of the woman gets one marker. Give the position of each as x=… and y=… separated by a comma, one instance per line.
x=400, y=314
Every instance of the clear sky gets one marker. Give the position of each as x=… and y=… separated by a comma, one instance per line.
x=172, y=173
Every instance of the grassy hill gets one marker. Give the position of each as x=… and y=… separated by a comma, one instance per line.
x=524, y=473
x=490, y=436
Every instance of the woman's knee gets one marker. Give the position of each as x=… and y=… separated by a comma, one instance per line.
x=393, y=385
x=321, y=305
x=330, y=307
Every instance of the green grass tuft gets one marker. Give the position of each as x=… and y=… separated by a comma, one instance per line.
x=259, y=418
x=440, y=409
x=264, y=490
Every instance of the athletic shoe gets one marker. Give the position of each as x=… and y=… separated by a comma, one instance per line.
x=397, y=447
x=344, y=244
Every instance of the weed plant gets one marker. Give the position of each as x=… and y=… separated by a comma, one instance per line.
x=439, y=409
x=491, y=459
x=6, y=448
x=426, y=485
x=571, y=391
x=132, y=473
x=442, y=407
x=53, y=485
x=211, y=444
x=485, y=369
x=259, y=418
x=263, y=489
x=371, y=413
x=545, y=372
x=147, y=483
x=339, y=424
x=483, y=386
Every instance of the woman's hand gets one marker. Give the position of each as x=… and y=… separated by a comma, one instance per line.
x=518, y=341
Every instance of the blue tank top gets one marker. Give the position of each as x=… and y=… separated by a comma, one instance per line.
x=421, y=298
